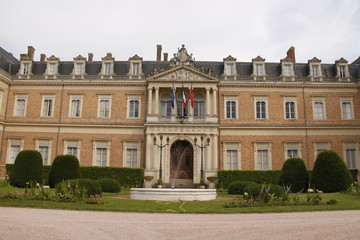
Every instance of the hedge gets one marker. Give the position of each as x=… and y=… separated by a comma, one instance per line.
x=225, y=177
x=127, y=177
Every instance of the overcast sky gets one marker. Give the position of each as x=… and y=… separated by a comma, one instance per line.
x=211, y=30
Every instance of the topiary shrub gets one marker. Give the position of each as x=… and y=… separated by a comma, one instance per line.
x=253, y=189
x=237, y=187
x=92, y=187
x=330, y=173
x=27, y=168
x=64, y=167
x=109, y=185
x=294, y=174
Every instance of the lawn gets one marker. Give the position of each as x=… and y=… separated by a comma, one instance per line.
x=112, y=202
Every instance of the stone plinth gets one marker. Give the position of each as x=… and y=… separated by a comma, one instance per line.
x=169, y=194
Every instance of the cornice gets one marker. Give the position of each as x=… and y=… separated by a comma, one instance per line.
x=178, y=68
x=5, y=77
x=288, y=84
x=78, y=83
x=75, y=125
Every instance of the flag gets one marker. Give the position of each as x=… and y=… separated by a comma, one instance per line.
x=173, y=97
x=191, y=96
x=184, y=101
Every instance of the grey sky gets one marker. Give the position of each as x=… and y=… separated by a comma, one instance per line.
x=211, y=30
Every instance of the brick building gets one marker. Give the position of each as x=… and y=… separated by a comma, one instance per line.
x=254, y=114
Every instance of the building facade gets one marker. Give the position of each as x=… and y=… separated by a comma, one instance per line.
x=179, y=118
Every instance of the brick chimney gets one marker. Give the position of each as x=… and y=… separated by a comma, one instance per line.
x=31, y=52
x=165, y=56
x=42, y=57
x=158, y=53
x=90, y=57
x=291, y=53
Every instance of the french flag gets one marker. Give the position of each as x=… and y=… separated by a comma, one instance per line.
x=184, y=101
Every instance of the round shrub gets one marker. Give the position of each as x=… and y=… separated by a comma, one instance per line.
x=109, y=185
x=330, y=173
x=27, y=168
x=294, y=174
x=63, y=168
x=278, y=190
x=237, y=187
x=253, y=189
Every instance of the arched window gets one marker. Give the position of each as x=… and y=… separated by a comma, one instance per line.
x=199, y=106
x=165, y=103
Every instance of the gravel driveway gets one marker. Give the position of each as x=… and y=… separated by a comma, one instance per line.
x=28, y=224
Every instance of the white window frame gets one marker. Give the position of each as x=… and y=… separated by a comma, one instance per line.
x=260, y=146
x=104, y=146
x=10, y=156
x=39, y=143
x=71, y=106
x=72, y=144
x=100, y=99
x=16, y=106
x=199, y=106
x=165, y=105
x=290, y=100
x=351, y=146
x=261, y=99
x=231, y=99
x=290, y=146
x=130, y=146
x=43, y=106
x=350, y=114
x=316, y=112
x=130, y=111
x=230, y=69
x=229, y=146
x=320, y=146
x=287, y=70
x=259, y=69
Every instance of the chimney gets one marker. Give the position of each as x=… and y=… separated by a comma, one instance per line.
x=165, y=56
x=158, y=53
x=291, y=53
x=42, y=57
x=31, y=52
x=90, y=57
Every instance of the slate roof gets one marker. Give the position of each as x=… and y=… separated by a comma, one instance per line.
x=5, y=59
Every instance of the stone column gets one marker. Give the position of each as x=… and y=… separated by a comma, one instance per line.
x=148, y=152
x=156, y=101
x=214, y=105
x=207, y=110
x=150, y=101
x=215, y=153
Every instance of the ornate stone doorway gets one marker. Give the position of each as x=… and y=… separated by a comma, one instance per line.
x=182, y=162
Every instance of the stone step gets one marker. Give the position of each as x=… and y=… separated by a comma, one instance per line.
x=181, y=183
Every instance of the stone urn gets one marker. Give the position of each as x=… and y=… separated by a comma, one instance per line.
x=148, y=181
x=212, y=180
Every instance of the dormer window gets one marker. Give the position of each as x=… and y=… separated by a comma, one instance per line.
x=259, y=72
x=342, y=70
x=107, y=68
x=25, y=66
x=52, y=67
x=287, y=69
x=230, y=67
x=135, y=70
x=25, y=69
x=79, y=66
x=315, y=69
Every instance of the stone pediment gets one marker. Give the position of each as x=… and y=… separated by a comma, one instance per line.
x=182, y=74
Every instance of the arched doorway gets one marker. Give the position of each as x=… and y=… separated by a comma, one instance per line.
x=181, y=163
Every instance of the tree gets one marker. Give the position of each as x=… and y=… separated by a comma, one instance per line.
x=64, y=167
x=294, y=174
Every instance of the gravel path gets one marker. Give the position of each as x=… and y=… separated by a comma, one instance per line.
x=25, y=223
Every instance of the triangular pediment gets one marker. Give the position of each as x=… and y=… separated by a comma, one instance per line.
x=182, y=74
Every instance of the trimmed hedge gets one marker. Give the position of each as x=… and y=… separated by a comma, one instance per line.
x=294, y=174
x=127, y=177
x=330, y=173
x=237, y=187
x=109, y=185
x=225, y=177
x=64, y=167
x=27, y=168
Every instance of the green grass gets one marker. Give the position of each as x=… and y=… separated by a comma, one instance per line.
x=345, y=202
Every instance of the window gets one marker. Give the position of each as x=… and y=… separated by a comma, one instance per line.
x=321, y=146
x=347, y=111
x=20, y=106
x=342, y=72
x=287, y=70
x=262, y=156
x=259, y=70
x=52, y=69
x=15, y=146
x=104, y=107
x=72, y=147
x=230, y=69
x=165, y=104
x=107, y=69
x=43, y=146
x=351, y=157
x=131, y=157
x=48, y=106
x=290, y=109
x=232, y=159
x=292, y=149
x=135, y=69
x=181, y=111
x=319, y=109
x=199, y=106
x=231, y=109
x=75, y=106
x=315, y=70
x=25, y=68
x=134, y=108
x=79, y=69
x=261, y=109
x=101, y=154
